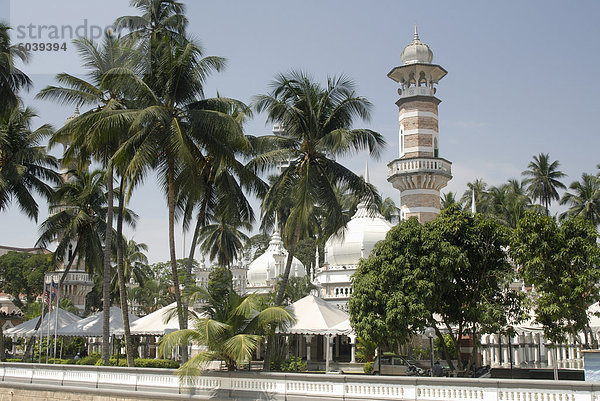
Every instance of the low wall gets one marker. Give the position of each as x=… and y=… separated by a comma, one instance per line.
x=95, y=383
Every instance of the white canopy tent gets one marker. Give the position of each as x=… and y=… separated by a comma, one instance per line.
x=316, y=316
x=27, y=329
x=91, y=326
x=158, y=323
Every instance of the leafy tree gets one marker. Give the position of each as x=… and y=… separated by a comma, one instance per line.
x=453, y=267
x=23, y=273
x=297, y=288
x=11, y=78
x=584, y=199
x=25, y=167
x=562, y=263
x=543, y=179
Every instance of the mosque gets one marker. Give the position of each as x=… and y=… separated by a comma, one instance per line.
x=418, y=173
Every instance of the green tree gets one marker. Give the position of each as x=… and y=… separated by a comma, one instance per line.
x=12, y=80
x=23, y=273
x=25, y=166
x=448, y=199
x=543, y=180
x=317, y=122
x=451, y=271
x=389, y=210
x=562, y=263
x=509, y=202
x=583, y=198
x=481, y=195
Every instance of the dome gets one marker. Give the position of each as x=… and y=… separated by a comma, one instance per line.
x=271, y=264
x=359, y=237
x=416, y=52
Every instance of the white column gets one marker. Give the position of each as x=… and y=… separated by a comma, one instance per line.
x=327, y=352
x=536, y=348
x=522, y=348
x=485, y=339
x=496, y=344
x=308, y=344
x=505, y=350
x=516, y=350
x=352, y=348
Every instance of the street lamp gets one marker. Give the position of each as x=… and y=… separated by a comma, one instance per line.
x=430, y=333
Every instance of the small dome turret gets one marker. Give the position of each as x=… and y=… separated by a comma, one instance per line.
x=416, y=52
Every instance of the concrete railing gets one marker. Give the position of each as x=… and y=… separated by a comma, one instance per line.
x=421, y=164
x=279, y=386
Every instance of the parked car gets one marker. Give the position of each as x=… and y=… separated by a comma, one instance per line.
x=397, y=365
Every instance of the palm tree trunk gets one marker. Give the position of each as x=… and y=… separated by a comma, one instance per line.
x=288, y=266
x=106, y=270
x=171, y=203
x=129, y=350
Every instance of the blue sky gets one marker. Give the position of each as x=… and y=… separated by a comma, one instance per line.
x=522, y=78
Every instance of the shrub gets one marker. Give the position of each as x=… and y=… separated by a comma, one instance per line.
x=14, y=360
x=58, y=361
x=293, y=364
x=368, y=367
x=143, y=363
x=91, y=359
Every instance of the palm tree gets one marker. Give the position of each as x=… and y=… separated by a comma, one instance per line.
x=78, y=215
x=24, y=164
x=584, y=199
x=230, y=327
x=543, y=180
x=480, y=188
x=11, y=78
x=317, y=123
x=508, y=202
x=83, y=137
x=223, y=241
x=448, y=199
x=389, y=210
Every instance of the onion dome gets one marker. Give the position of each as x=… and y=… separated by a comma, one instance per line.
x=416, y=52
x=271, y=264
x=357, y=240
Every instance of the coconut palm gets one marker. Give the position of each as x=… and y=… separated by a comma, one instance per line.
x=583, y=198
x=223, y=241
x=84, y=138
x=78, y=216
x=448, y=199
x=480, y=188
x=317, y=123
x=230, y=327
x=543, y=180
x=11, y=78
x=389, y=210
x=508, y=202
x=25, y=167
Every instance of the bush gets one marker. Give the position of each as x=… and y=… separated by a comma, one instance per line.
x=368, y=368
x=143, y=363
x=293, y=364
x=58, y=361
x=14, y=360
x=156, y=363
x=91, y=359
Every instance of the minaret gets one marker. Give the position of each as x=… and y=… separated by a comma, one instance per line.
x=419, y=173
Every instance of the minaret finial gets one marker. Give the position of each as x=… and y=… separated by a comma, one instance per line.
x=367, y=172
x=276, y=225
x=416, y=37
x=473, y=205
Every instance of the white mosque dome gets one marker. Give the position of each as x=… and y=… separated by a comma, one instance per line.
x=416, y=52
x=271, y=264
x=358, y=239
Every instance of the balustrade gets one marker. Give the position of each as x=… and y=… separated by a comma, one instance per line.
x=279, y=386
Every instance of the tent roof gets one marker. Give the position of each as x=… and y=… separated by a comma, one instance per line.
x=27, y=329
x=91, y=326
x=316, y=316
x=157, y=323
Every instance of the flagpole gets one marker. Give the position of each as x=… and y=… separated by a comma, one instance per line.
x=48, y=323
x=39, y=334
x=56, y=319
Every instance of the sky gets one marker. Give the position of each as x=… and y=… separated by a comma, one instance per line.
x=521, y=78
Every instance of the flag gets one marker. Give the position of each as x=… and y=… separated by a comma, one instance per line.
x=54, y=291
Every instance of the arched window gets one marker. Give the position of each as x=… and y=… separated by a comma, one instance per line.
x=401, y=140
x=435, y=148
